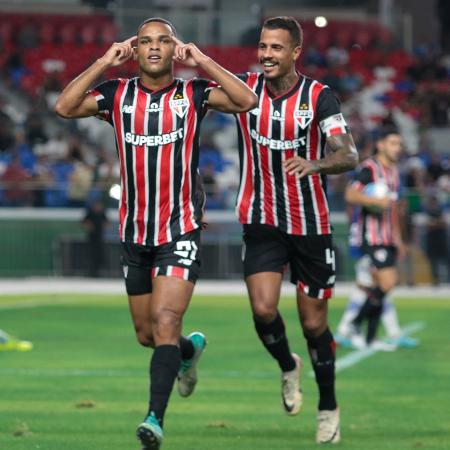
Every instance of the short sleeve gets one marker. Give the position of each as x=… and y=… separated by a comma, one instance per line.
x=202, y=89
x=104, y=95
x=362, y=178
x=329, y=116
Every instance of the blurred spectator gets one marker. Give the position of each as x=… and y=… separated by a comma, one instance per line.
x=80, y=179
x=28, y=36
x=34, y=128
x=15, y=182
x=94, y=222
x=15, y=69
x=436, y=240
x=6, y=129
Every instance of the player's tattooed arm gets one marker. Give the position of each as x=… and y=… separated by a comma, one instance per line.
x=342, y=157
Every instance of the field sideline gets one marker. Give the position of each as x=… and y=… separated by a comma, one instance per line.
x=84, y=386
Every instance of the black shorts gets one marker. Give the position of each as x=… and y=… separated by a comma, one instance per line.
x=178, y=258
x=311, y=258
x=382, y=256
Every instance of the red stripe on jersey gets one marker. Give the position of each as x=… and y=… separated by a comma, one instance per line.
x=118, y=127
x=165, y=172
x=291, y=180
x=186, y=188
x=266, y=174
x=317, y=185
x=246, y=190
x=139, y=169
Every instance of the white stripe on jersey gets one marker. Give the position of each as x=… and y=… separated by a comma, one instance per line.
x=298, y=184
x=284, y=173
x=124, y=176
x=158, y=177
x=135, y=226
x=270, y=165
x=146, y=174
x=258, y=154
x=172, y=171
x=310, y=177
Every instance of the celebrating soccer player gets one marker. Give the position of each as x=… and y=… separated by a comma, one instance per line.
x=283, y=207
x=375, y=191
x=156, y=120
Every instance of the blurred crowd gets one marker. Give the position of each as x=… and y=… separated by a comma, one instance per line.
x=48, y=162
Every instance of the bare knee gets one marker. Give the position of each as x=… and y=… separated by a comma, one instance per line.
x=166, y=324
x=314, y=326
x=263, y=312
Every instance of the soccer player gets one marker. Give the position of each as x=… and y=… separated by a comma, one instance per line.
x=363, y=282
x=156, y=120
x=282, y=205
x=378, y=228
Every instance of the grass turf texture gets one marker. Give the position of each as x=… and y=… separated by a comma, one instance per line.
x=84, y=386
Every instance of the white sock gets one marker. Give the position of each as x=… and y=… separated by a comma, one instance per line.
x=357, y=298
x=389, y=318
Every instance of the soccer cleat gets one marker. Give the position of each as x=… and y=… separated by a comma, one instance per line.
x=150, y=433
x=187, y=375
x=403, y=341
x=343, y=340
x=382, y=346
x=291, y=392
x=328, y=427
x=7, y=342
x=358, y=341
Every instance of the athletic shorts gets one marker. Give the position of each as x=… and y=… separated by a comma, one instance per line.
x=311, y=258
x=382, y=256
x=179, y=258
x=363, y=271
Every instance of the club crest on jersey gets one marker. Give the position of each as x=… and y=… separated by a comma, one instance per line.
x=304, y=115
x=179, y=105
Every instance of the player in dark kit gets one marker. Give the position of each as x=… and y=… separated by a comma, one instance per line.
x=156, y=120
x=378, y=228
x=283, y=207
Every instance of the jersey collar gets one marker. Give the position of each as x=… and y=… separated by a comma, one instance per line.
x=161, y=90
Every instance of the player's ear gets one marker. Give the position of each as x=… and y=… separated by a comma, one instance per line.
x=296, y=53
x=135, y=55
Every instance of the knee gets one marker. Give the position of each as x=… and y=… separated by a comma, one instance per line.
x=262, y=312
x=314, y=326
x=166, y=321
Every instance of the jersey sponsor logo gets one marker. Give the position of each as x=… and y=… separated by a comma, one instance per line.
x=179, y=105
x=277, y=144
x=153, y=141
x=127, y=109
x=304, y=115
x=154, y=108
x=255, y=111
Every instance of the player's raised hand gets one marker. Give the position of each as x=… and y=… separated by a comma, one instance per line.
x=300, y=167
x=119, y=52
x=188, y=54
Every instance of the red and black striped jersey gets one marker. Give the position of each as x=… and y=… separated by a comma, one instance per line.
x=372, y=228
x=295, y=123
x=157, y=137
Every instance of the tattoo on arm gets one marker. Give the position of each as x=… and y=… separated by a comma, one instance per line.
x=342, y=157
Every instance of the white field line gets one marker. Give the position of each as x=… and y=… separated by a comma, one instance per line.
x=353, y=358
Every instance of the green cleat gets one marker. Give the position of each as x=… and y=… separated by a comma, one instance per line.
x=187, y=375
x=150, y=433
x=8, y=342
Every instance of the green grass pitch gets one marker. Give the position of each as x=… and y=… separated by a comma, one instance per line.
x=84, y=386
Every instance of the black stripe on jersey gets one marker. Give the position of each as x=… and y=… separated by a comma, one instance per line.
x=257, y=207
x=305, y=187
x=277, y=169
x=127, y=125
x=177, y=169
